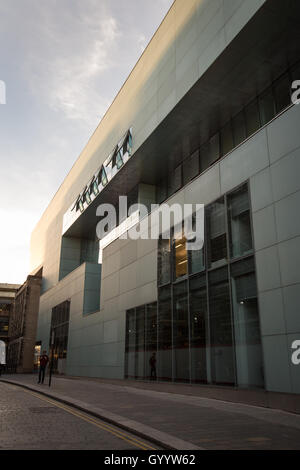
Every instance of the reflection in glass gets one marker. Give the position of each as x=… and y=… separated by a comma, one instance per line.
x=190, y=168
x=175, y=181
x=164, y=261
x=227, y=139
x=210, y=152
x=196, y=257
x=239, y=223
x=181, y=333
x=222, y=351
x=198, y=327
x=246, y=325
x=164, y=361
x=217, y=243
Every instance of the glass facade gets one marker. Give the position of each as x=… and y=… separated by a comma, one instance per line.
x=205, y=327
x=60, y=332
x=254, y=115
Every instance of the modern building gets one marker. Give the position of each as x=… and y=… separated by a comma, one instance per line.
x=23, y=325
x=7, y=296
x=205, y=117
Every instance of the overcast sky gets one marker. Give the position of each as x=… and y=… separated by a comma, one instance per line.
x=63, y=62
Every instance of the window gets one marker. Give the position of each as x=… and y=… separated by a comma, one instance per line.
x=164, y=334
x=87, y=197
x=196, y=257
x=180, y=254
x=239, y=128
x=190, y=168
x=162, y=191
x=282, y=91
x=227, y=139
x=175, y=181
x=249, y=362
x=151, y=336
x=95, y=188
x=102, y=178
x=210, y=152
x=266, y=106
x=217, y=240
x=199, y=328
x=181, y=333
x=60, y=330
x=164, y=261
x=222, y=352
x=252, y=118
x=140, y=343
x=130, y=344
x=240, y=236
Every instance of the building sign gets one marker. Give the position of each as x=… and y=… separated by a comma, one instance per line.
x=2, y=353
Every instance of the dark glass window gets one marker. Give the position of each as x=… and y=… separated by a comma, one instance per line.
x=227, y=139
x=164, y=334
x=252, y=118
x=249, y=362
x=130, y=344
x=282, y=91
x=240, y=235
x=175, y=180
x=4, y=321
x=102, y=177
x=151, y=337
x=164, y=261
x=210, y=152
x=162, y=191
x=239, y=128
x=181, y=333
x=196, y=257
x=217, y=240
x=222, y=351
x=267, y=106
x=198, y=328
x=140, y=343
x=296, y=71
x=191, y=167
x=59, y=331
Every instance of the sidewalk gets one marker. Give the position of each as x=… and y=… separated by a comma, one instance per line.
x=173, y=416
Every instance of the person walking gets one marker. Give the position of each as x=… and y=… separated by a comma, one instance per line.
x=44, y=359
x=152, y=362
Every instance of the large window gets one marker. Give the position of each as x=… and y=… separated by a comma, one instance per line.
x=239, y=223
x=207, y=326
x=59, y=332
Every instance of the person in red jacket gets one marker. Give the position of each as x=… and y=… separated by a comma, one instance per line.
x=44, y=359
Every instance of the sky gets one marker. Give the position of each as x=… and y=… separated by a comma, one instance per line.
x=62, y=62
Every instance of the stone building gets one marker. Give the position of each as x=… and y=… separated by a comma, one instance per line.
x=7, y=296
x=23, y=325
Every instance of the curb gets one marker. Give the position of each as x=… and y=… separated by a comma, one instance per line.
x=162, y=439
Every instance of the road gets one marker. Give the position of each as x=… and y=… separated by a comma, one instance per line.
x=32, y=421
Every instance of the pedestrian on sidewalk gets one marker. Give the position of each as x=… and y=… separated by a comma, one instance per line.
x=152, y=362
x=44, y=359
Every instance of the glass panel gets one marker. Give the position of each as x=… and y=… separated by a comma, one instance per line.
x=240, y=235
x=217, y=243
x=296, y=71
x=282, y=91
x=248, y=348
x=210, y=152
x=151, y=341
x=119, y=159
x=164, y=261
x=130, y=345
x=175, y=181
x=164, y=334
x=239, y=128
x=198, y=327
x=140, y=343
x=181, y=333
x=190, y=168
x=180, y=254
x=222, y=351
x=252, y=118
x=161, y=191
x=227, y=139
x=266, y=106
x=196, y=257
